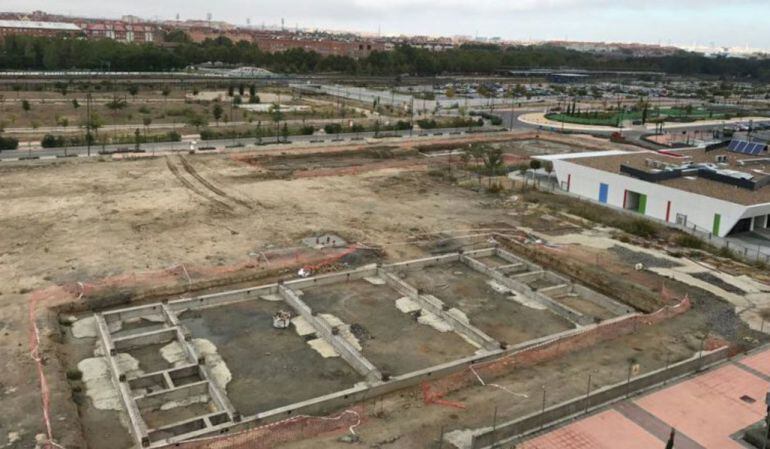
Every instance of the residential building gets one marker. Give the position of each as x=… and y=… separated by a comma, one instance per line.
x=37, y=28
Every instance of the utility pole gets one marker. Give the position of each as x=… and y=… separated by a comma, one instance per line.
x=411, y=117
x=88, y=122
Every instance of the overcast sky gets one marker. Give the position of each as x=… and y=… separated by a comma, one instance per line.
x=684, y=22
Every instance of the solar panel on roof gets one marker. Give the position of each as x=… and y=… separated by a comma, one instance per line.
x=741, y=147
x=731, y=146
x=758, y=147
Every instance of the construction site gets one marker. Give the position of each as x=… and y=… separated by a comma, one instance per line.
x=372, y=294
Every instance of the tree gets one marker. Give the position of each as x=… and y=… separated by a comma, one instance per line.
x=25, y=105
x=258, y=133
x=116, y=104
x=196, y=120
x=75, y=103
x=133, y=89
x=146, y=121
x=285, y=132
x=493, y=159
x=165, y=92
x=535, y=164
x=252, y=91
x=241, y=89
x=276, y=115
x=217, y=111
x=230, y=90
x=92, y=123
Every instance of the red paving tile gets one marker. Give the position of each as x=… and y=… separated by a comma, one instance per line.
x=606, y=430
x=759, y=362
x=654, y=425
x=708, y=408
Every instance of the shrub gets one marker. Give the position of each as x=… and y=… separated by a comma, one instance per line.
x=333, y=128
x=495, y=188
x=427, y=124
x=74, y=374
x=174, y=136
x=357, y=128
x=51, y=141
x=402, y=125
x=689, y=241
x=639, y=227
x=307, y=130
x=8, y=143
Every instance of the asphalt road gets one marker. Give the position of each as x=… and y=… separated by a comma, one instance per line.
x=52, y=153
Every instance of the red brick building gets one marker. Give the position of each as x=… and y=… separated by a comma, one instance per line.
x=120, y=31
x=353, y=49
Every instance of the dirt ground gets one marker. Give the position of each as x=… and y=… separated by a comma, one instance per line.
x=81, y=221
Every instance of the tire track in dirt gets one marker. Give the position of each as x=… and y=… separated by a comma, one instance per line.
x=192, y=187
x=209, y=186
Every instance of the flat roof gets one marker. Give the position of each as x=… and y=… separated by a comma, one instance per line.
x=760, y=167
x=30, y=24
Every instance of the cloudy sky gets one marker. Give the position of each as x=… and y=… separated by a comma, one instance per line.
x=685, y=22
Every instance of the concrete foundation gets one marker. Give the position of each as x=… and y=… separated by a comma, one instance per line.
x=193, y=378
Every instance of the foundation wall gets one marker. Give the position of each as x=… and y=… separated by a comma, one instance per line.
x=523, y=289
x=602, y=300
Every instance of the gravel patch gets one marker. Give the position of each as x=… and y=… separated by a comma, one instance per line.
x=711, y=279
x=632, y=257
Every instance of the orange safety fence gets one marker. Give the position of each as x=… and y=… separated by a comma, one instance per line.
x=282, y=432
x=67, y=294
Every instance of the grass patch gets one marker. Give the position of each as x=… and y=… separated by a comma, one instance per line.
x=690, y=241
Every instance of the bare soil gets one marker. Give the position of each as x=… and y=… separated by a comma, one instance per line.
x=81, y=221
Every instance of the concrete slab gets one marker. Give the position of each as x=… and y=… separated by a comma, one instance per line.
x=390, y=339
x=492, y=311
x=270, y=367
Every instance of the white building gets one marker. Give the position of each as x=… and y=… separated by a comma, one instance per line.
x=723, y=191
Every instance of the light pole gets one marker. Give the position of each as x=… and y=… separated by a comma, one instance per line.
x=88, y=122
